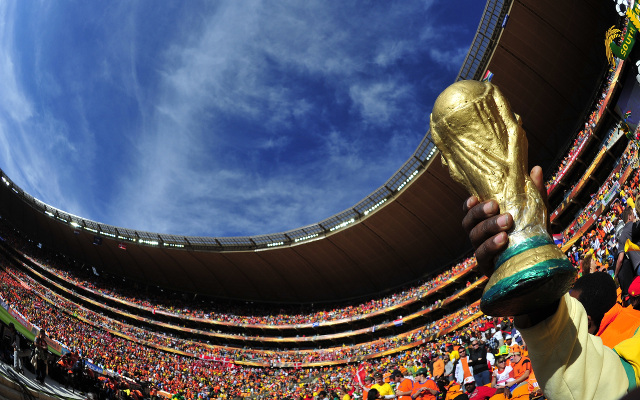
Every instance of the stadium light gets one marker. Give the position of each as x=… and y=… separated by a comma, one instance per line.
x=378, y=204
x=410, y=177
x=342, y=225
x=305, y=238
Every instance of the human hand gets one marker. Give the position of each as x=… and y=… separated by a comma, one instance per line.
x=487, y=227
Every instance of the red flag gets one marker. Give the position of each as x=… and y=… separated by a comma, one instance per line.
x=122, y=246
x=361, y=373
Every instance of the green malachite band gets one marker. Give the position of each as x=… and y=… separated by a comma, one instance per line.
x=513, y=283
x=628, y=40
x=528, y=244
x=628, y=368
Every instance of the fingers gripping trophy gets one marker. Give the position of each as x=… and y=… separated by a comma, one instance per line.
x=485, y=147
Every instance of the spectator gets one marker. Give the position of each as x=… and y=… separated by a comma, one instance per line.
x=463, y=368
x=477, y=392
x=405, y=385
x=503, y=374
x=384, y=388
x=373, y=394
x=438, y=367
x=521, y=367
x=41, y=348
x=627, y=262
x=478, y=361
x=15, y=344
x=597, y=293
x=424, y=388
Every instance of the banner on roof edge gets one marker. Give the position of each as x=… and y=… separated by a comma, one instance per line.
x=623, y=50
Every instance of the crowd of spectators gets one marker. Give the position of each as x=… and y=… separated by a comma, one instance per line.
x=599, y=243
x=165, y=370
x=45, y=297
x=614, y=134
x=597, y=202
x=587, y=131
x=212, y=311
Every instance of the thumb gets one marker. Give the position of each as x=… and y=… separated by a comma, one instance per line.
x=538, y=180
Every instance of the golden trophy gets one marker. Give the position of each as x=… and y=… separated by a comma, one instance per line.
x=485, y=147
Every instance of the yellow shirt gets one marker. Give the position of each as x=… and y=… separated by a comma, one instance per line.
x=569, y=363
x=384, y=389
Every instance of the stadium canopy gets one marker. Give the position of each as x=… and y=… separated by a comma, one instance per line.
x=547, y=57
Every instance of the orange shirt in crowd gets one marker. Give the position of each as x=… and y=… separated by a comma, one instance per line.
x=618, y=324
x=521, y=367
x=426, y=395
x=438, y=367
x=405, y=385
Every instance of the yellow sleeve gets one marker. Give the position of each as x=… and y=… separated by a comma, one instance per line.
x=569, y=363
x=629, y=350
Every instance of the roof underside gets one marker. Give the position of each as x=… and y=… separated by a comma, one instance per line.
x=548, y=62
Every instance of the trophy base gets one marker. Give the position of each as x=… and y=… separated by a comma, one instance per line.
x=527, y=278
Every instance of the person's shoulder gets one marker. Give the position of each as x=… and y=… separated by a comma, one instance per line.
x=630, y=226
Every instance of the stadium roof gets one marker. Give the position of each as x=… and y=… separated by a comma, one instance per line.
x=546, y=56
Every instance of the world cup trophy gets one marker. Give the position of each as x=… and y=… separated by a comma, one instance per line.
x=485, y=147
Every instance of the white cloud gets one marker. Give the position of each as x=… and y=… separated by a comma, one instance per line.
x=12, y=98
x=378, y=102
x=451, y=59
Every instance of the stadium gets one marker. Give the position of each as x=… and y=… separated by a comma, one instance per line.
x=386, y=284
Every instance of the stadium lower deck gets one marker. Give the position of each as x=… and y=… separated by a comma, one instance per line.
x=138, y=346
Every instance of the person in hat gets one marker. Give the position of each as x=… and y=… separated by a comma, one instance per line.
x=438, y=367
x=477, y=392
x=508, y=340
x=405, y=385
x=366, y=385
x=634, y=294
x=521, y=366
x=425, y=388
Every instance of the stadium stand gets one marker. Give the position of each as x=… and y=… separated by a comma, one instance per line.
x=119, y=339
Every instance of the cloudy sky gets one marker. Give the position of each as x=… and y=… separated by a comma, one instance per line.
x=219, y=118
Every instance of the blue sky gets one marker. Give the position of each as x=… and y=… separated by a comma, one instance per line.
x=219, y=118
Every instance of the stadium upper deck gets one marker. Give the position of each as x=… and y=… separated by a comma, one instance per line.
x=544, y=59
